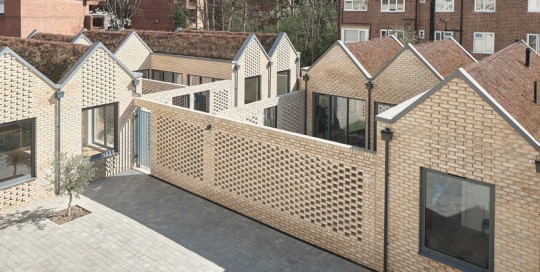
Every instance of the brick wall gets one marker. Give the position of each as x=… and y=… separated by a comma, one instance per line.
x=290, y=112
x=284, y=59
x=455, y=131
x=42, y=15
x=150, y=86
x=253, y=62
x=313, y=189
x=220, y=69
x=134, y=54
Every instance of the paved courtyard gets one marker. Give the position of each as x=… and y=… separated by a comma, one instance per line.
x=139, y=223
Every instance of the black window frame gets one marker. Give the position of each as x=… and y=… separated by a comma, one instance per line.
x=161, y=73
x=258, y=94
x=441, y=256
x=201, y=101
x=16, y=180
x=108, y=152
x=270, y=111
x=288, y=82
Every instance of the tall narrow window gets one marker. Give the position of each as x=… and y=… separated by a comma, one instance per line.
x=393, y=5
x=99, y=130
x=534, y=41
x=252, y=89
x=534, y=5
x=444, y=5
x=202, y=101
x=270, y=117
x=2, y=7
x=283, y=82
x=457, y=220
x=16, y=150
x=484, y=5
x=484, y=43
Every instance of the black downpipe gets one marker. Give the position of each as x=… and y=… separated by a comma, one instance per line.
x=461, y=24
x=432, y=20
x=369, y=87
x=528, y=57
x=58, y=95
x=306, y=79
x=387, y=136
x=416, y=17
x=535, y=92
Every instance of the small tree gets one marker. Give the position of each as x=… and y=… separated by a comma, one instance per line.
x=407, y=35
x=121, y=12
x=75, y=172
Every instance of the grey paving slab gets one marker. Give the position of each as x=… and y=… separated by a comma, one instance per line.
x=227, y=239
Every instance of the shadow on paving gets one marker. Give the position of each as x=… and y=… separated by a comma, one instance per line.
x=223, y=237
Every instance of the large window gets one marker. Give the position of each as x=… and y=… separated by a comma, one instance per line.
x=252, y=89
x=339, y=119
x=202, y=101
x=484, y=5
x=270, y=117
x=350, y=35
x=100, y=130
x=457, y=220
x=393, y=5
x=443, y=35
x=167, y=76
x=484, y=43
x=385, y=33
x=534, y=5
x=444, y=5
x=355, y=5
x=16, y=150
x=283, y=82
x=534, y=41
x=2, y=7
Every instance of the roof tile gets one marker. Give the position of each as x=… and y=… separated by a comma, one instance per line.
x=445, y=56
x=375, y=53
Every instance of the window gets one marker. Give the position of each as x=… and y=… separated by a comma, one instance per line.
x=393, y=5
x=385, y=33
x=457, y=220
x=252, y=89
x=443, y=35
x=484, y=43
x=17, y=150
x=270, y=117
x=181, y=101
x=2, y=7
x=144, y=72
x=350, y=35
x=355, y=5
x=444, y=5
x=283, y=82
x=339, y=119
x=100, y=130
x=194, y=80
x=534, y=5
x=202, y=101
x=534, y=41
x=484, y=5
x=166, y=76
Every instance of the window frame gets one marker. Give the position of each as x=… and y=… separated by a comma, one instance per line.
x=387, y=34
x=106, y=152
x=484, y=38
x=382, y=10
x=484, y=6
x=440, y=256
x=18, y=180
x=201, y=101
x=3, y=5
x=258, y=94
x=443, y=35
x=273, y=111
x=537, y=49
x=365, y=30
x=537, y=10
x=352, y=2
x=174, y=76
x=446, y=3
x=288, y=82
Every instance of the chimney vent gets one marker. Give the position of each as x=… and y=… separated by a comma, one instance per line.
x=528, y=57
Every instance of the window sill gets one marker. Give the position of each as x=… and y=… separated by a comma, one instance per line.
x=389, y=11
x=444, y=11
x=15, y=182
x=485, y=11
x=352, y=10
x=483, y=53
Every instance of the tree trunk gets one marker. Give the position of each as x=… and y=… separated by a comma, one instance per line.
x=244, y=17
x=69, y=203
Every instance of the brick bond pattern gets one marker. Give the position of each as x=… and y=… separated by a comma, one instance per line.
x=284, y=59
x=290, y=112
x=443, y=134
x=150, y=86
x=134, y=54
x=24, y=95
x=313, y=189
x=253, y=63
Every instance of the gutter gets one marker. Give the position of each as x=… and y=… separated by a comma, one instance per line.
x=369, y=87
x=236, y=68
x=306, y=79
x=270, y=78
x=58, y=95
x=387, y=136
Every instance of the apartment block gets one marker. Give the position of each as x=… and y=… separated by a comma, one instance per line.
x=481, y=26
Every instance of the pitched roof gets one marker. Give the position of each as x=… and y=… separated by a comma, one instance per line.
x=375, y=53
x=267, y=39
x=111, y=39
x=506, y=78
x=52, y=37
x=207, y=44
x=53, y=59
x=445, y=56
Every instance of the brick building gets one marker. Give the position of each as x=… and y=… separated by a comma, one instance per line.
x=481, y=26
x=19, y=17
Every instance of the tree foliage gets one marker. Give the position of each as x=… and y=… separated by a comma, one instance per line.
x=408, y=34
x=121, y=12
x=75, y=172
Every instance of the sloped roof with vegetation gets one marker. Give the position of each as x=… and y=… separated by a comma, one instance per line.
x=111, y=39
x=267, y=39
x=506, y=78
x=445, y=56
x=50, y=37
x=204, y=44
x=375, y=53
x=52, y=59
